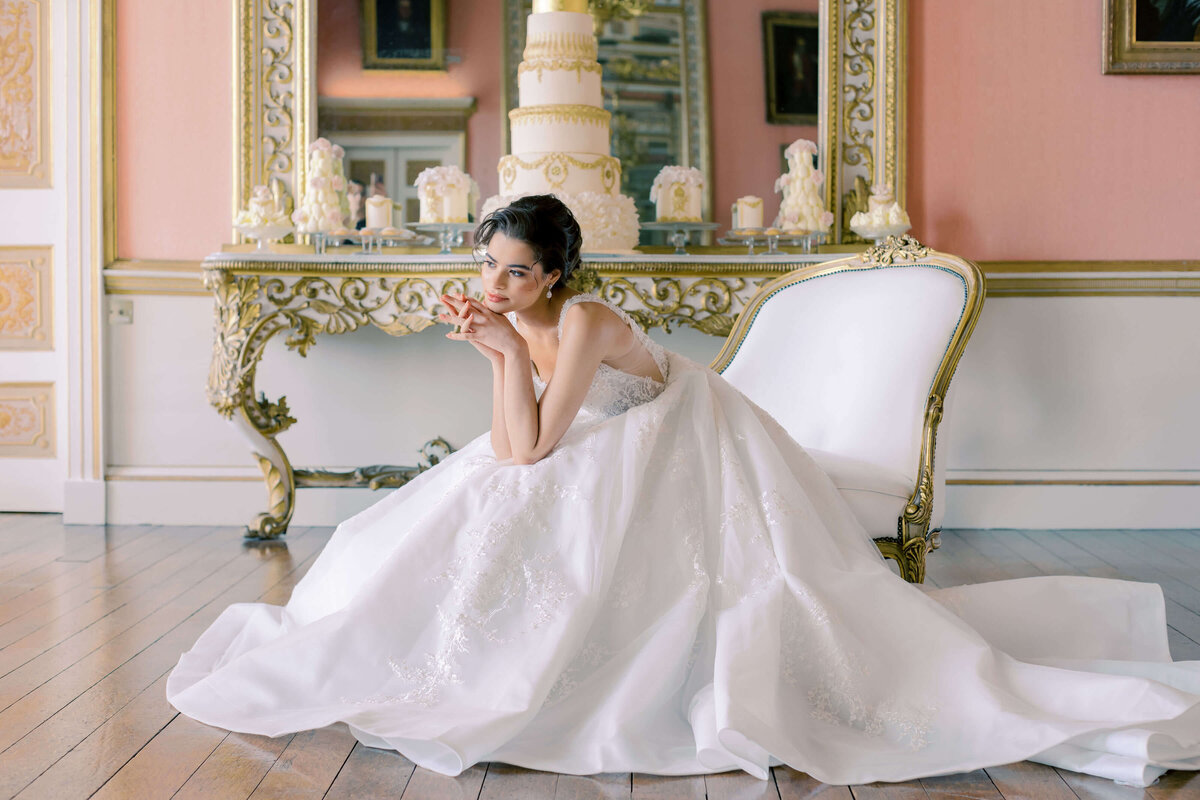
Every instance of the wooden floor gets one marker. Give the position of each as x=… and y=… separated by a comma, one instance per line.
x=92, y=619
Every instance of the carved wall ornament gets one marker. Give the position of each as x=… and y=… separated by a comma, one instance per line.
x=26, y=321
x=24, y=98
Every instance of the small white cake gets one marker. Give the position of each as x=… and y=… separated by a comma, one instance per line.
x=748, y=212
x=883, y=215
x=676, y=194
x=802, y=207
x=444, y=194
x=324, y=206
x=262, y=210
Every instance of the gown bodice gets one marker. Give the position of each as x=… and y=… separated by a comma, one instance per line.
x=613, y=391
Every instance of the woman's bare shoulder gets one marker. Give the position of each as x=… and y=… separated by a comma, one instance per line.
x=593, y=320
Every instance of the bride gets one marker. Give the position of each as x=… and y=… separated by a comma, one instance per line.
x=638, y=570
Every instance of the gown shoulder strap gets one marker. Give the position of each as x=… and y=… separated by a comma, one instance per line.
x=654, y=348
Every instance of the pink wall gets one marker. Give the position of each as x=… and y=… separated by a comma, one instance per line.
x=745, y=148
x=174, y=121
x=472, y=32
x=1019, y=148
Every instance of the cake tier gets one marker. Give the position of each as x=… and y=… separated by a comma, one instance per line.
x=559, y=128
x=572, y=173
x=609, y=222
x=550, y=82
x=560, y=29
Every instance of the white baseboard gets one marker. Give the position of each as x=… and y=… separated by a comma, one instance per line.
x=84, y=503
x=225, y=502
x=1032, y=506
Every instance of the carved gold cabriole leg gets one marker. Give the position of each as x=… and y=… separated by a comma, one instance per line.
x=914, y=539
x=249, y=311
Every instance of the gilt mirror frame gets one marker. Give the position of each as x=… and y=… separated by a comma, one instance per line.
x=861, y=119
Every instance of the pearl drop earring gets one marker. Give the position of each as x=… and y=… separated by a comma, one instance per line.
x=547, y=292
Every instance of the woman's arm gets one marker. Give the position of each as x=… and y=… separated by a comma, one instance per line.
x=534, y=428
x=500, y=444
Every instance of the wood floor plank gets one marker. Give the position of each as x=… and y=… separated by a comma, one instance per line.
x=606, y=786
x=1176, y=785
x=1026, y=780
x=58, y=616
x=506, y=782
x=1089, y=787
x=234, y=768
x=92, y=736
x=739, y=785
x=668, y=787
x=308, y=765
x=78, y=658
x=370, y=772
x=901, y=790
x=975, y=785
x=120, y=542
x=795, y=785
x=165, y=763
x=429, y=785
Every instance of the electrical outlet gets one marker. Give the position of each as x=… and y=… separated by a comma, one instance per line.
x=120, y=311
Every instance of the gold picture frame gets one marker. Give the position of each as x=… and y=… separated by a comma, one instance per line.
x=791, y=58
x=411, y=35
x=1151, y=36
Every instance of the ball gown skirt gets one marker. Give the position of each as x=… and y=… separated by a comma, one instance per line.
x=680, y=589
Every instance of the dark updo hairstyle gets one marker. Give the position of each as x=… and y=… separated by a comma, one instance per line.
x=543, y=222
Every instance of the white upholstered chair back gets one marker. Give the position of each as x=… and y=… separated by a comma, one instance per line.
x=847, y=355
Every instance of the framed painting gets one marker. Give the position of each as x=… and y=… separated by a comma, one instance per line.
x=1151, y=36
x=792, y=54
x=404, y=34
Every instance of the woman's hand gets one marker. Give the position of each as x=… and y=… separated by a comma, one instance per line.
x=490, y=333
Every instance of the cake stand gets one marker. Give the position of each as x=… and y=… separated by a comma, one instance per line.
x=679, y=231
x=750, y=237
x=264, y=233
x=372, y=241
x=879, y=234
x=450, y=234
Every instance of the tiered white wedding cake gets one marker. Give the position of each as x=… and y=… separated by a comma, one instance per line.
x=560, y=131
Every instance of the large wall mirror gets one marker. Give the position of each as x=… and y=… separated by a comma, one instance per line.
x=656, y=75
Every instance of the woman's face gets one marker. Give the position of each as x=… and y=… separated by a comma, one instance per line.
x=511, y=281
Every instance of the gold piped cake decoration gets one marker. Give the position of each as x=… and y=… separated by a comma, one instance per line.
x=556, y=167
x=561, y=45
x=576, y=65
x=566, y=112
x=543, y=6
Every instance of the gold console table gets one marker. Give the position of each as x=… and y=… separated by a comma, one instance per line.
x=260, y=295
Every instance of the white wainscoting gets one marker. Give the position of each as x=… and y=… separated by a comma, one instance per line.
x=1053, y=394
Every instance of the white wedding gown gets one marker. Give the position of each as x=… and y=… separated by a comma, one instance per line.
x=676, y=589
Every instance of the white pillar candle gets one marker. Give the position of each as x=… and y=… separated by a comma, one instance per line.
x=379, y=212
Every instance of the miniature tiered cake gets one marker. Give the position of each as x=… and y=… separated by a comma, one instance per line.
x=262, y=210
x=676, y=194
x=802, y=208
x=324, y=205
x=444, y=193
x=560, y=131
x=883, y=214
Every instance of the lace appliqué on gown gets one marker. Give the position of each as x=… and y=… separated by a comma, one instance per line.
x=614, y=391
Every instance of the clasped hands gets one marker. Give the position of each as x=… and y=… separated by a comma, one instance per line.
x=490, y=333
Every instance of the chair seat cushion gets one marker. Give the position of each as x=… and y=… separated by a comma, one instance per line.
x=876, y=494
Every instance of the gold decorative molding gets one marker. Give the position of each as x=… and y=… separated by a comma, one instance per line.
x=338, y=115
x=556, y=168
x=27, y=420
x=570, y=112
x=570, y=46
x=25, y=93
x=26, y=298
